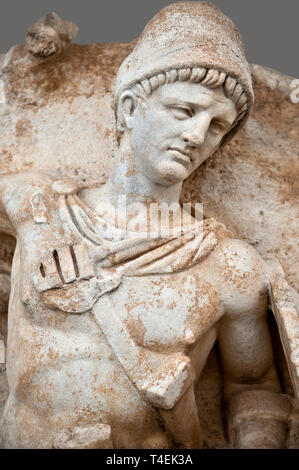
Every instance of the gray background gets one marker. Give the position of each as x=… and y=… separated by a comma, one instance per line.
x=269, y=27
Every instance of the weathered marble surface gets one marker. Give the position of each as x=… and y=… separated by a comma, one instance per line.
x=56, y=116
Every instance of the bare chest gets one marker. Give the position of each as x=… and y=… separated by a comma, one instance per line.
x=166, y=312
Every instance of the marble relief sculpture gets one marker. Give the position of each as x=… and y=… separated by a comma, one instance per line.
x=113, y=314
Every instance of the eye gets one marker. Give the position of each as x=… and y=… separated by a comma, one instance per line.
x=182, y=112
x=218, y=126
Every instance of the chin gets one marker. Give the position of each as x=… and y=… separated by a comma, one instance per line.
x=172, y=173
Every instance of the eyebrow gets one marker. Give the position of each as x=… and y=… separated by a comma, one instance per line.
x=169, y=101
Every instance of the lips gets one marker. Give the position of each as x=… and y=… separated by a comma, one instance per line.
x=181, y=154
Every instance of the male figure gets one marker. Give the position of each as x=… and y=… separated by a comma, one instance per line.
x=109, y=334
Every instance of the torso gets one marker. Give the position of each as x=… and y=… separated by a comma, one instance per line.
x=62, y=372
x=61, y=369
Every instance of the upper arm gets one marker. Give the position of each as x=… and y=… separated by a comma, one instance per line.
x=244, y=336
x=245, y=347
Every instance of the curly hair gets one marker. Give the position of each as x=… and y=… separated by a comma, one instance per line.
x=209, y=77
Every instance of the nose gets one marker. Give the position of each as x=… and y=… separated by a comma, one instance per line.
x=196, y=133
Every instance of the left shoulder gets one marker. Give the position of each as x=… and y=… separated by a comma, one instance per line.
x=240, y=274
x=241, y=257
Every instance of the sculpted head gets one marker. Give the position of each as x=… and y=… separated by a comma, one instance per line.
x=178, y=119
x=183, y=91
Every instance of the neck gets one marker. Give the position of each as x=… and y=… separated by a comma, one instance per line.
x=126, y=180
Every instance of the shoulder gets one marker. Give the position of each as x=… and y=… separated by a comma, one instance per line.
x=238, y=260
x=19, y=191
x=240, y=276
x=234, y=261
x=29, y=195
x=14, y=186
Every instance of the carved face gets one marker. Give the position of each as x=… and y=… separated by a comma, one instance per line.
x=178, y=127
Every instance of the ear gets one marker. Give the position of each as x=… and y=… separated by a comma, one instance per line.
x=126, y=109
